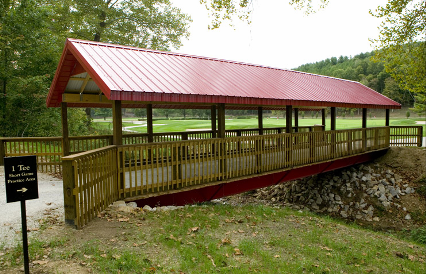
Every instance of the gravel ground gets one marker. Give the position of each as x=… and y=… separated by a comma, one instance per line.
x=50, y=203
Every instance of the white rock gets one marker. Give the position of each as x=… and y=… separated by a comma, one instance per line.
x=376, y=219
x=119, y=203
x=147, y=208
x=407, y=217
x=132, y=204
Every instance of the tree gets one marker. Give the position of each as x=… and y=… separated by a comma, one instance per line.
x=401, y=45
x=227, y=10
x=153, y=24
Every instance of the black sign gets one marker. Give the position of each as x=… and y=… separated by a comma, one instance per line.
x=21, y=178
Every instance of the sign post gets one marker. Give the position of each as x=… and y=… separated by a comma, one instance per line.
x=21, y=185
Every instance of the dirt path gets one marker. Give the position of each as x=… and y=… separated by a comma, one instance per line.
x=49, y=204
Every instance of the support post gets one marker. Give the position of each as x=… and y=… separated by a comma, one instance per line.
x=364, y=131
x=296, y=119
x=213, y=120
x=387, y=118
x=221, y=135
x=68, y=189
x=420, y=136
x=333, y=118
x=149, y=124
x=117, y=123
x=221, y=121
x=288, y=119
x=65, y=131
x=364, y=118
x=260, y=120
x=323, y=117
x=332, y=128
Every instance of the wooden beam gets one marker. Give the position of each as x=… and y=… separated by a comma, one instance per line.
x=221, y=121
x=364, y=118
x=333, y=118
x=85, y=98
x=260, y=120
x=83, y=86
x=288, y=119
x=149, y=124
x=117, y=138
x=213, y=120
x=65, y=131
x=70, y=206
x=387, y=117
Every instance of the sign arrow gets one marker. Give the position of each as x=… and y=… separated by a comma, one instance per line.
x=22, y=190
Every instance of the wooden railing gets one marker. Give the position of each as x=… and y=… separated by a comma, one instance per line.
x=94, y=179
x=90, y=184
x=406, y=136
x=49, y=149
x=158, y=167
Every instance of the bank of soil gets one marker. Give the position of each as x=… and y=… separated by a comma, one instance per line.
x=388, y=193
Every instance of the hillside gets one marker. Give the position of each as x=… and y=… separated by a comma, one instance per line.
x=363, y=69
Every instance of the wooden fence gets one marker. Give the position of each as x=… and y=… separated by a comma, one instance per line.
x=94, y=179
x=406, y=136
x=90, y=184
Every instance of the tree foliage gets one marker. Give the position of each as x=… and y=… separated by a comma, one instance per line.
x=227, y=10
x=32, y=35
x=362, y=69
x=401, y=45
x=154, y=24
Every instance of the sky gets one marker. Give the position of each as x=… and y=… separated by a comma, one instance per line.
x=282, y=37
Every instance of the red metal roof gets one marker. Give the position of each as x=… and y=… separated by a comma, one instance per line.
x=134, y=74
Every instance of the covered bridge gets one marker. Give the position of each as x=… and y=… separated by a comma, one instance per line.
x=177, y=168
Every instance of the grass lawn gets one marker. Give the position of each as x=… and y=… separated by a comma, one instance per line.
x=215, y=238
x=183, y=125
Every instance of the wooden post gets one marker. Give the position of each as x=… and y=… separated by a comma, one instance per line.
x=332, y=128
x=149, y=124
x=65, y=131
x=260, y=119
x=364, y=131
x=333, y=118
x=221, y=121
x=323, y=117
x=296, y=119
x=364, y=118
x=288, y=119
x=221, y=135
x=213, y=119
x=117, y=123
x=68, y=189
x=387, y=118
x=420, y=136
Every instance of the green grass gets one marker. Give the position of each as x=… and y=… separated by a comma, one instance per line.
x=183, y=125
x=212, y=238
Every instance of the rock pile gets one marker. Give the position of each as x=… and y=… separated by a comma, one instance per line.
x=359, y=192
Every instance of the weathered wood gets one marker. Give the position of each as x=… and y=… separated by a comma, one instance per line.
x=117, y=123
x=213, y=120
x=65, y=131
x=288, y=119
x=323, y=114
x=260, y=120
x=221, y=121
x=333, y=118
x=364, y=118
x=68, y=191
x=387, y=117
x=149, y=123
x=296, y=119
